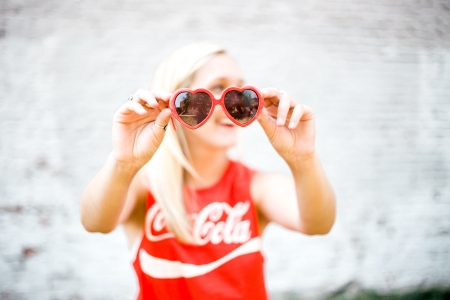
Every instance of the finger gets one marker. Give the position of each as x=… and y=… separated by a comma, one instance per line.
x=162, y=98
x=283, y=109
x=130, y=107
x=162, y=120
x=271, y=96
x=153, y=99
x=161, y=95
x=270, y=92
x=146, y=98
x=308, y=113
x=267, y=123
x=297, y=113
x=164, y=117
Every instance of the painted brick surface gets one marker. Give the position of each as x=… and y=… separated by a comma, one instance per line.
x=377, y=74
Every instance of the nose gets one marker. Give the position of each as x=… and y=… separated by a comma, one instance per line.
x=218, y=112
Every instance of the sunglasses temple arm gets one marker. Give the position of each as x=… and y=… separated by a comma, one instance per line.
x=173, y=124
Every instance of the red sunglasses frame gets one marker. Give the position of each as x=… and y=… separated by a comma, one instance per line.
x=215, y=102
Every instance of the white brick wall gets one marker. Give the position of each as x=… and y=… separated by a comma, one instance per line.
x=377, y=74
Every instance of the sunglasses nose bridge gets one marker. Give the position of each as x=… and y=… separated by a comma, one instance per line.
x=216, y=102
x=221, y=107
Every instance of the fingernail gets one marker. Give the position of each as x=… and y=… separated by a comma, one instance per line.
x=291, y=125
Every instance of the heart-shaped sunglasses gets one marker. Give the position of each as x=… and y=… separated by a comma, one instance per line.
x=193, y=108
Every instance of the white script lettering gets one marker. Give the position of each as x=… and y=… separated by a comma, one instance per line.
x=207, y=226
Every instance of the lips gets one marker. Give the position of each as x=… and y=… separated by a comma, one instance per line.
x=227, y=124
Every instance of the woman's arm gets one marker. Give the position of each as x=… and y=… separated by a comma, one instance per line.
x=306, y=201
x=112, y=194
x=103, y=200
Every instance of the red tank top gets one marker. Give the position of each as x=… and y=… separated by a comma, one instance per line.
x=225, y=263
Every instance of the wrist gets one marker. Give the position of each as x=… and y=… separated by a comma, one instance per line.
x=302, y=162
x=125, y=168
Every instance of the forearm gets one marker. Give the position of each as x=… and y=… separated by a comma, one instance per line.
x=104, y=198
x=315, y=196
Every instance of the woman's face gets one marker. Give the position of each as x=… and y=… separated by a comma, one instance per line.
x=218, y=132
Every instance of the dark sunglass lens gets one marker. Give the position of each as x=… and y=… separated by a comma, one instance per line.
x=242, y=106
x=193, y=108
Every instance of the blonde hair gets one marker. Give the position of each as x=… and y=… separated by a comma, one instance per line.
x=167, y=167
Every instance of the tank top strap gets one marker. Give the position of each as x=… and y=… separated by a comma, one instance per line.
x=236, y=176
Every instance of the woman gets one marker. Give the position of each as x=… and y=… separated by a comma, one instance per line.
x=194, y=216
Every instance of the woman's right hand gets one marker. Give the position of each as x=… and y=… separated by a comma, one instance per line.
x=135, y=136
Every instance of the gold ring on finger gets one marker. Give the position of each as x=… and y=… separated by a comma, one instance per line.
x=162, y=127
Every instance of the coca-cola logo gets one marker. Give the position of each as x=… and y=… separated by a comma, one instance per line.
x=215, y=223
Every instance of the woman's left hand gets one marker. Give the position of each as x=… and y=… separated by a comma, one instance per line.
x=288, y=125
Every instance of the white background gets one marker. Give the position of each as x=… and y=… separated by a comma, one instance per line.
x=377, y=74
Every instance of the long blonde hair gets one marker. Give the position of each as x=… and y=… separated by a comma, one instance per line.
x=167, y=167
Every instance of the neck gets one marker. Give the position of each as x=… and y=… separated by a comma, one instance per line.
x=209, y=164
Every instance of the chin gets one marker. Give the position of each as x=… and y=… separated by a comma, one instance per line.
x=218, y=138
x=223, y=143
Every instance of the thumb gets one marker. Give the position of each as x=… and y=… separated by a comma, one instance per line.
x=162, y=120
x=267, y=123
